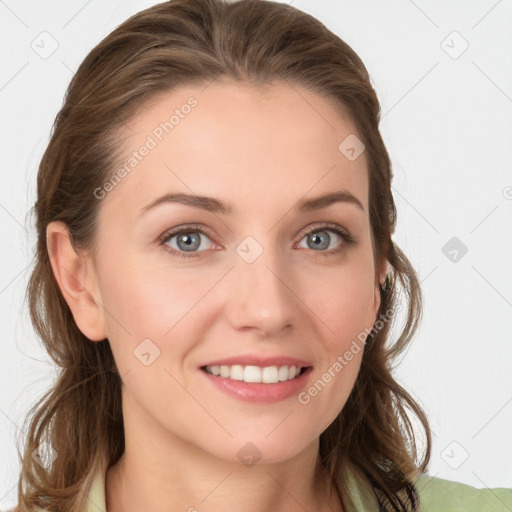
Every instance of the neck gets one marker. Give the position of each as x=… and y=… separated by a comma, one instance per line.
x=141, y=480
x=166, y=472
x=126, y=493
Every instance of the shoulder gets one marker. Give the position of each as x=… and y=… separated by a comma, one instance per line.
x=437, y=494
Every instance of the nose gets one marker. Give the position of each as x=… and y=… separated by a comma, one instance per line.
x=261, y=296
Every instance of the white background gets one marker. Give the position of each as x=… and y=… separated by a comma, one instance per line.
x=447, y=123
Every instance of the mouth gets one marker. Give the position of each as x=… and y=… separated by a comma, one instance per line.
x=256, y=374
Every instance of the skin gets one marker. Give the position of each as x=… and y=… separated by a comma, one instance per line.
x=261, y=149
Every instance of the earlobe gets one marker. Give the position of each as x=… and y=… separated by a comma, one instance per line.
x=76, y=280
x=376, y=302
x=381, y=282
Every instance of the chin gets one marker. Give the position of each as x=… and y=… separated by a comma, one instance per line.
x=258, y=449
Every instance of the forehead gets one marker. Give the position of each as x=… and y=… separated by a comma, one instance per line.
x=256, y=144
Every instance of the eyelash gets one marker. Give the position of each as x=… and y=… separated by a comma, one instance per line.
x=348, y=239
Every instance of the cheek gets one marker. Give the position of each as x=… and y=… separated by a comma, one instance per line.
x=149, y=301
x=343, y=302
x=167, y=306
x=147, y=310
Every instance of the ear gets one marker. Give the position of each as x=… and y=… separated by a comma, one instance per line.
x=77, y=281
x=381, y=276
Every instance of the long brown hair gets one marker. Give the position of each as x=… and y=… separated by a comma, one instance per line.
x=177, y=43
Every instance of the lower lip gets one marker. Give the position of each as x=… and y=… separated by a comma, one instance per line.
x=258, y=392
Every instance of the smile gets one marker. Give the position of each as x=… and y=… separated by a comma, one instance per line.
x=257, y=374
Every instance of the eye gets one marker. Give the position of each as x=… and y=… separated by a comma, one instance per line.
x=318, y=238
x=188, y=240
x=189, y=243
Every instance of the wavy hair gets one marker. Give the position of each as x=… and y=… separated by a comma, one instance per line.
x=176, y=43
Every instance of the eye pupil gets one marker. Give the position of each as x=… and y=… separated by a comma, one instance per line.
x=318, y=239
x=188, y=240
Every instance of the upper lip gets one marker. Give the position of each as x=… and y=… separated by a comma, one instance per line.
x=256, y=360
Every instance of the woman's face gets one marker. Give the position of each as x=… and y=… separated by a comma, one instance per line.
x=239, y=284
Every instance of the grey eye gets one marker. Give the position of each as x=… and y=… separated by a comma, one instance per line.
x=187, y=241
x=320, y=239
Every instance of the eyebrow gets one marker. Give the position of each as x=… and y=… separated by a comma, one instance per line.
x=214, y=205
x=317, y=203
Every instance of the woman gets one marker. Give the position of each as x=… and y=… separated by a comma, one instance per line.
x=216, y=278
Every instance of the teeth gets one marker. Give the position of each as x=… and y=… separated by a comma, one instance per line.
x=266, y=375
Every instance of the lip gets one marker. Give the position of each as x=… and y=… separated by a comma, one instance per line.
x=259, y=392
x=255, y=360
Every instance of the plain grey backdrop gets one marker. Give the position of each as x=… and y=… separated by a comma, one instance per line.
x=443, y=74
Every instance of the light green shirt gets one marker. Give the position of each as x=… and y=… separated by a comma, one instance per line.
x=436, y=495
